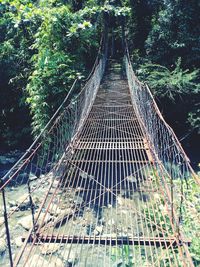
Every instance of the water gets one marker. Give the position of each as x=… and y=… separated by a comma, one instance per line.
x=7, y=160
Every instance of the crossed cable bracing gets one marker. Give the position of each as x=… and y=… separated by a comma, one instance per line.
x=105, y=168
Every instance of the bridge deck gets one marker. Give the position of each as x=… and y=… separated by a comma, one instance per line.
x=110, y=209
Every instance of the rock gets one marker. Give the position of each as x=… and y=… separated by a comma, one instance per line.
x=78, y=200
x=63, y=217
x=23, y=202
x=12, y=203
x=102, y=221
x=57, y=263
x=26, y=222
x=118, y=263
x=69, y=256
x=32, y=177
x=12, y=188
x=54, y=209
x=89, y=229
x=131, y=179
x=38, y=261
x=109, y=235
x=42, y=177
x=18, y=241
x=120, y=201
x=144, y=197
x=98, y=230
x=36, y=201
x=88, y=217
x=156, y=196
x=55, y=184
x=122, y=234
x=111, y=222
x=79, y=189
x=49, y=248
x=13, y=209
x=125, y=212
x=50, y=175
x=46, y=177
x=43, y=220
x=2, y=232
x=1, y=209
x=83, y=174
x=1, y=220
x=3, y=246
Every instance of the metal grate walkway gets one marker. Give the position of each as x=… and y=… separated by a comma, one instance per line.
x=110, y=208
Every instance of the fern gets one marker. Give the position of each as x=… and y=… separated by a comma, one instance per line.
x=167, y=83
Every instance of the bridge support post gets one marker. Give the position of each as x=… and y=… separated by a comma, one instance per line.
x=172, y=191
x=7, y=228
x=32, y=205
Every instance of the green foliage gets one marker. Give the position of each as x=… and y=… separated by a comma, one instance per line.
x=63, y=46
x=139, y=21
x=14, y=71
x=170, y=84
x=175, y=86
x=123, y=253
x=158, y=214
x=175, y=33
x=43, y=46
x=159, y=33
x=116, y=10
x=38, y=36
x=194, y=117
x=188, y=209
x=191, y=215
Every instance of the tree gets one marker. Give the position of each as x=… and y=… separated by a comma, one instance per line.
x=175, y=33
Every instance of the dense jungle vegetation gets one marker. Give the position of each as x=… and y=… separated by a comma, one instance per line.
x=46, y=44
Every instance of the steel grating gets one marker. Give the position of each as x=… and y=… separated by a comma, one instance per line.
x=111, y=206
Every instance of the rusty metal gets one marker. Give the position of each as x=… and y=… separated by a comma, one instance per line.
x=113, y=240
x=111, y=144
x=104, y=167
x=7, y=228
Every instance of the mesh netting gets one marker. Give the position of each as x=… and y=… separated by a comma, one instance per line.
x=103, y=185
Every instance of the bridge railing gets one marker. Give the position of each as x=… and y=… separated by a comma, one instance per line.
x=163, y=142
x=169, y=159
x=25, y=186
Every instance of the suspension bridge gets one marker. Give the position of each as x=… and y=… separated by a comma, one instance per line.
x=96, y=188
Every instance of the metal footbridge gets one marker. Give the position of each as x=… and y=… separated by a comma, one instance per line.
x=97, y=185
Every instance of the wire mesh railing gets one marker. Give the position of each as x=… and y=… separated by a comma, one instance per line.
x=163, y=141
x=172, y=164
x=36, y=171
